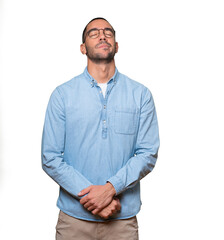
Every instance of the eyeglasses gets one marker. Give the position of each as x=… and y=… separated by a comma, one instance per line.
x=95, y=32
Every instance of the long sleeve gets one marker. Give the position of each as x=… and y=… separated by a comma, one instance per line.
x=146, y=149
x=52, y=151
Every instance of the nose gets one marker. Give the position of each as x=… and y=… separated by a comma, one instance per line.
x=102, y=36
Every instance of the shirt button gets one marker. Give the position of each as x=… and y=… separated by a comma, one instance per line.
x=104, y=106
x=104, y=121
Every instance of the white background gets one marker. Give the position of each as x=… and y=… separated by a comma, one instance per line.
x=176, y=49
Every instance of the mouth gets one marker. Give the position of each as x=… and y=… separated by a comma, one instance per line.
x=103, y=45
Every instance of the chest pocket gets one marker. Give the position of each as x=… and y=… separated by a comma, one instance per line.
x=125, y=121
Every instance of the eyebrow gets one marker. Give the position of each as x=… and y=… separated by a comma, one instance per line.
x=92, y=29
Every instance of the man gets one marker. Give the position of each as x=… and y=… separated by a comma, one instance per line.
x=100, y=138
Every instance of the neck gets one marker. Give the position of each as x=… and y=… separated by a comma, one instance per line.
x=101, y=72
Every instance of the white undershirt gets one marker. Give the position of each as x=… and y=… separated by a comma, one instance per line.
x=103, y=87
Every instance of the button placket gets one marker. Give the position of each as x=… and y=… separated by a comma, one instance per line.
x=104, y=117
x=103, y=100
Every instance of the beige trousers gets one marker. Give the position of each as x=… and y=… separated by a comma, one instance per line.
x=70, y=228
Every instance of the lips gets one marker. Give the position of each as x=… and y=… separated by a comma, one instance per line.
x=103, y=45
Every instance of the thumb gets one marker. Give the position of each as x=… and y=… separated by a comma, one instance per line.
x=118, y=207
x=84, y=191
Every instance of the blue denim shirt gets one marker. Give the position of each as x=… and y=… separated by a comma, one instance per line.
x=90, y=140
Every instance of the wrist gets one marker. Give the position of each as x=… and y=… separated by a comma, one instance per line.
x=111, y=188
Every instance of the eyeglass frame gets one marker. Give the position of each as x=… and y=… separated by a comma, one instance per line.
x=112, y=30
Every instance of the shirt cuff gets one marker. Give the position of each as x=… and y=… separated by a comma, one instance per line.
x=117, y=183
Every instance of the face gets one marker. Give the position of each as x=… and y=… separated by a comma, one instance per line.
x=101, y=49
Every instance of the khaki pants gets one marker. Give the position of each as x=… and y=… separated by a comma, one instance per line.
x=70, y=228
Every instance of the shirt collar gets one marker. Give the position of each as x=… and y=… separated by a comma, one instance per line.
x=93, y=82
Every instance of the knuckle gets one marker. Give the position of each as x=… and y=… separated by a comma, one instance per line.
x=96, y=205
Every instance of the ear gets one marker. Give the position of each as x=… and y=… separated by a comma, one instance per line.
x=83, y=48
x=116, y=47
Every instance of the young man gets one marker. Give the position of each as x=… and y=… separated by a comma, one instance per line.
x=100, y=139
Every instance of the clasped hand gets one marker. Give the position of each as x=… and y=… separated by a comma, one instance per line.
x=100, y=200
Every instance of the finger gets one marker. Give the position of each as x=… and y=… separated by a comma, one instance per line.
x=106, y=215
x=87, y=205
x=111, y=213
x=84, y=191
x=90, y=208
x=113, y=210
x=117, y=200
x=118, y=206
x=96, y=211
x=83, y=200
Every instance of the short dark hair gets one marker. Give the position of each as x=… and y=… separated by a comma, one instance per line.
x=97, y=18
